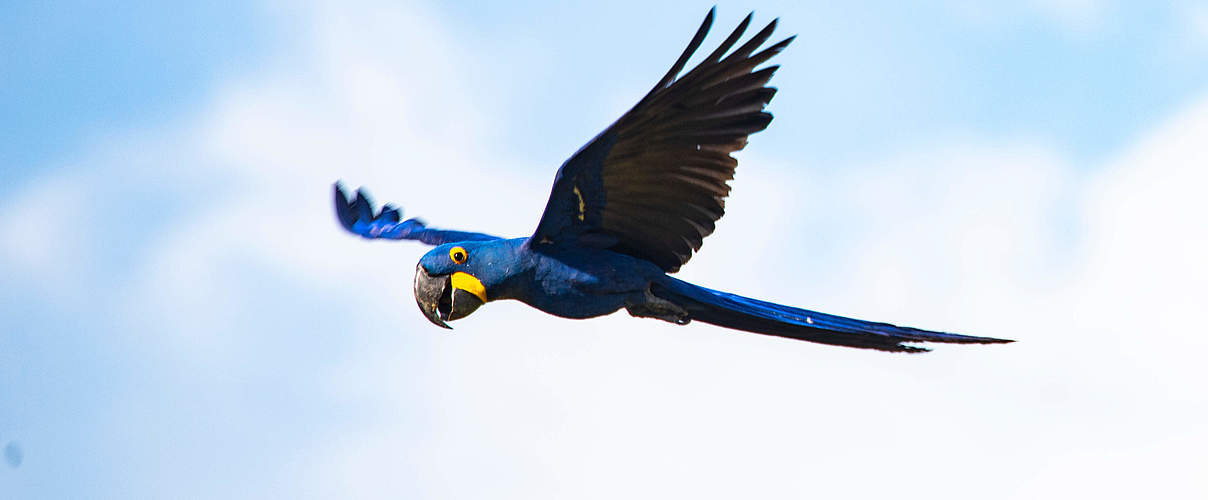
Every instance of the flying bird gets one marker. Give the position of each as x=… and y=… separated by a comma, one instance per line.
x=629, y=207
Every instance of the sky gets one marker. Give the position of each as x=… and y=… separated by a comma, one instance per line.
x=182, y=317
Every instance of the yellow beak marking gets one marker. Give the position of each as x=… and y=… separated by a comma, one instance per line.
x=467, y=282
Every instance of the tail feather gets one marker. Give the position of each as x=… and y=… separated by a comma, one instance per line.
x=751, y=315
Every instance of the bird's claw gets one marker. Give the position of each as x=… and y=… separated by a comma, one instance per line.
x=651, y=306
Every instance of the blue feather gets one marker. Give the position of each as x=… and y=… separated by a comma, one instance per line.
x=747, y=314
x=358, y=217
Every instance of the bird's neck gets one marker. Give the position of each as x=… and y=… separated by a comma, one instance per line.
x=513, y=270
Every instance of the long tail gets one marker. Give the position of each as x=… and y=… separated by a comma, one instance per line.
x=741, y=313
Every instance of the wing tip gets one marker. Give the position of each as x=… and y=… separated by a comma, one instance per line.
x=777, y=47
x=351, y=210
x=345, y=213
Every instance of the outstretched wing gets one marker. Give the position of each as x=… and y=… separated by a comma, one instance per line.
x=654, y=183
x=357, y=216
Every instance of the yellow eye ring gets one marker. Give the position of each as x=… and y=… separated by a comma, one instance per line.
x=458, y=254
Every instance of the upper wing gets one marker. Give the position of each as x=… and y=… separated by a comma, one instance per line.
x=356, y=215
x=653, y=184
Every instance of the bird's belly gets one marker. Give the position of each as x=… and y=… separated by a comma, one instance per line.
x=570, y=303
x=578, y=295
x=586, y=283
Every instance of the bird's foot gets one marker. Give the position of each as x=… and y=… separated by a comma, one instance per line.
x=649, y=306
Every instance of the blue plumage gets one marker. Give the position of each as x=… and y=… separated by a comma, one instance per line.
x=742, y=313
x=629, y=207
x=357, y=216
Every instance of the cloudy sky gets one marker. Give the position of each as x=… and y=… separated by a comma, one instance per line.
x=181, y=317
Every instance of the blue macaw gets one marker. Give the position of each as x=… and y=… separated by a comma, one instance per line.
x=628, y=208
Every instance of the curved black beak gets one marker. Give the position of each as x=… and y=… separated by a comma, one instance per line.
x=440, y=300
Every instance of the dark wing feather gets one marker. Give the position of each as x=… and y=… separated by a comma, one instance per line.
x=654, y=183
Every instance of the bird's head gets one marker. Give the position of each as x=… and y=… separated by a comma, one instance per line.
x=451, y=281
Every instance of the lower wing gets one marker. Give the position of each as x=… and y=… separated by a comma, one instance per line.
x=357, y=215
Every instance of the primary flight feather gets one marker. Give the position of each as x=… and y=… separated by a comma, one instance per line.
x=630, y=206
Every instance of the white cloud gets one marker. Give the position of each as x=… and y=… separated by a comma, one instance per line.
x=32, y=247
x=1080, y=18
x=1145, y=218
x=1195, y=19
x=1076, y=15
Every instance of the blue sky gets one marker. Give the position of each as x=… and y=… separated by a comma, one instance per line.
x=181, y=316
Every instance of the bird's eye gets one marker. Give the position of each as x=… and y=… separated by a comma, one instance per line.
x=458, y=254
